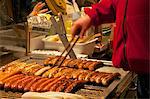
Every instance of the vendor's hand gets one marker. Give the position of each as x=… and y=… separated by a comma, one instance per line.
x=37, y=9
x=81, y=25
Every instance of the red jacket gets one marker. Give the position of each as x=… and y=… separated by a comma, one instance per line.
x=136, y=27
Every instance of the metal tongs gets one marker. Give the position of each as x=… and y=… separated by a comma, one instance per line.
x=61, y=31
x=69, y=49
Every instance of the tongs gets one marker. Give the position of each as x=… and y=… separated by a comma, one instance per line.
x=74, y=40
x=62, y=34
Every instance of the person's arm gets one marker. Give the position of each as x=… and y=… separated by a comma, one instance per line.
x=103, y=12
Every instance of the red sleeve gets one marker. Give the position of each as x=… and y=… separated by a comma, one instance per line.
x=102, y=12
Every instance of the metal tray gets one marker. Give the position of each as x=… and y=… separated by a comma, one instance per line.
x=90, y=91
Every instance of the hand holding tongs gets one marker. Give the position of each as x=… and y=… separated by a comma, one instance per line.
x=63, y=37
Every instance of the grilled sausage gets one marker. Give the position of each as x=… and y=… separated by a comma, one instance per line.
x=95, y=65
x=108, y=79
x=64, y=72
x=36, y=66
x=80, y=66
x=46, y=88
x=82, y=75
x=36, y=84
x=66, y=62
x=100, y=77
x=8, y=84
x=14, y=67
x=35, y=69
x=63, y=85
x=41, y=86
x=92, y=66
x=86, y=65
x=53, y=71
x=27, y=87
x=60, y=72
x=88, y=76
x=77, y=62
x=28, y=66
x=41, y=71
x=54, y=60
x=92, y=78
x=11, y=77
x=56, y=85
x=70, y=75
x=74, y=86
x=59, y=61
x=72, y=63
x=22, y=85
x=46, y=73
x=15, y=85
x=69, y=71
x=76, y=74
x=46, y=62
x=32, y=66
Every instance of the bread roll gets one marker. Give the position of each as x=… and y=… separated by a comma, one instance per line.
x=51, y=95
